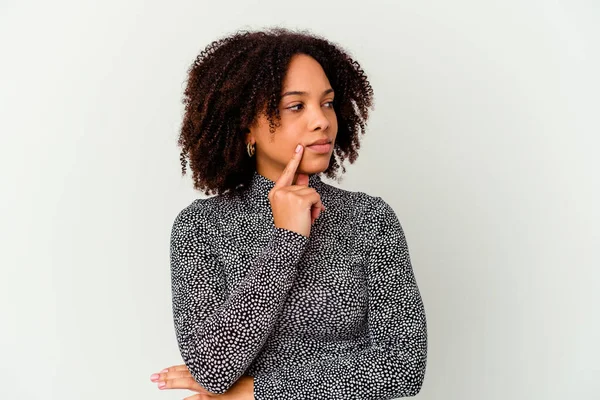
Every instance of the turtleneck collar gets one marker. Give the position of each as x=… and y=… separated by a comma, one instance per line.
x=260, y=186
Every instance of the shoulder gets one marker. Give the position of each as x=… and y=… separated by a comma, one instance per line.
x=366, y=206
x=196, y=218
x=371, y=215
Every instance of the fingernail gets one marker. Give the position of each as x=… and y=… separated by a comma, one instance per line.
x=162, y=385
x=298, y=148
x=154, y=377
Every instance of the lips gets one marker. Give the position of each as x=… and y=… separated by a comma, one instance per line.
x=320, y=141
x=321, y=146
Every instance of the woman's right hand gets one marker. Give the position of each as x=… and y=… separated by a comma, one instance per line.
x=295, y=207
x=180, y=377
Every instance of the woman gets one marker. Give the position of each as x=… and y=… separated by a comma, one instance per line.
x=285, y=287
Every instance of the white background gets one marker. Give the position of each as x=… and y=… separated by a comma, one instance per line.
x=484, y=140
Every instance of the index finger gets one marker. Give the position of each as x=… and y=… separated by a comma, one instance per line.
x=180, y=367
x=287, y=176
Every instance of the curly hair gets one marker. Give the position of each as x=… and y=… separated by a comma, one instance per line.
x=236, y=78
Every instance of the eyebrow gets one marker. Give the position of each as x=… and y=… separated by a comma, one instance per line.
x=296, y=92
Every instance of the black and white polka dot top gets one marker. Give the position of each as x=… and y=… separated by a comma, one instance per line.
x=337, y=315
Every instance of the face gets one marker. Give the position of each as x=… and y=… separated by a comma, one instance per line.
x=307, y=116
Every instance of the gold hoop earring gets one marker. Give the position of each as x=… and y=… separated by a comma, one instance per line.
x=250, y=148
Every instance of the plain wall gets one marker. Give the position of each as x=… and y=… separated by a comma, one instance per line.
x=484, y=139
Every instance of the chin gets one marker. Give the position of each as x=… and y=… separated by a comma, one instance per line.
x=314, y=167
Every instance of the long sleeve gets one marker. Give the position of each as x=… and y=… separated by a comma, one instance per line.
x=394, y=363
x=219, y=335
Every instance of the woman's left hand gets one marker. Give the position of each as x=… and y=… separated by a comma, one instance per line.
x=179, y=377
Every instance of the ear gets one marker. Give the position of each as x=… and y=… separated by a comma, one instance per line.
x=249, y=136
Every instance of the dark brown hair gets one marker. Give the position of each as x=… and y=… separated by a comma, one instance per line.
x=237, y=77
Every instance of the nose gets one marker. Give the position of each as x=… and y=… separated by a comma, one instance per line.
x=318, y=120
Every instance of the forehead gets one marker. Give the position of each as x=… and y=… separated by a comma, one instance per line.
x=304, y=73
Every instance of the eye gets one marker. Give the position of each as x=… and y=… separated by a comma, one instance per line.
x=330, y=104
x=296, y=107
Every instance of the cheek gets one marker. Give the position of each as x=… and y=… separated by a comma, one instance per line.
x=333, y=127
x=283, y=143
x=333, y=119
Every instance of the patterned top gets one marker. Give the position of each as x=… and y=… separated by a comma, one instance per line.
x=337, y=315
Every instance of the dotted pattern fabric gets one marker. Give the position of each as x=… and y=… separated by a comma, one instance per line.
x=337, y=315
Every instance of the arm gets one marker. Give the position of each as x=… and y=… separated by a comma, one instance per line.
x=219, y=335
x=394, y=364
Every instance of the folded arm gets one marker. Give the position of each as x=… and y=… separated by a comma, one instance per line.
x=219, y=335
x=394, y=363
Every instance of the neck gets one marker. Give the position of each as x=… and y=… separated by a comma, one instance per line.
x=273, y=174
x=314, y=180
